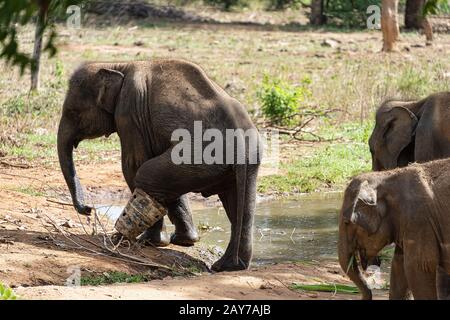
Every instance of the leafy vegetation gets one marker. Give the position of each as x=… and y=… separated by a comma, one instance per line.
x=336, y=288
x=436, y=6
x=348, y=13
x=282, y=103
x=19, y=13
x=6, y=293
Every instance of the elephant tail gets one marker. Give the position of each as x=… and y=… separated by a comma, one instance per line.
x=241, y=189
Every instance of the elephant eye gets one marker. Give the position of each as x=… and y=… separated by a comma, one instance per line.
x=389, y=126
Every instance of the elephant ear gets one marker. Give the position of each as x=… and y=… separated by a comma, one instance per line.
x=399, y=130
x=110, y=84
x=368, y=210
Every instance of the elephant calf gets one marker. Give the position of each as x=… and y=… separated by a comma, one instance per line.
x=146, y=103
x=406, y=206
x=411, y=131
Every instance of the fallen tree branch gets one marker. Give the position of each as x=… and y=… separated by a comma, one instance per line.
x=104, y=249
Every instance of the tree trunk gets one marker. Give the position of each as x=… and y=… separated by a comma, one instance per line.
x=389, y=24
x=428, y=30
x=40, y=26
x=414, y=14
x=317, y=17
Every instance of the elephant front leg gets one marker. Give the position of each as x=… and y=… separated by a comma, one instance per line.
x=180, y=215
x=398, y=284
x=156, y=235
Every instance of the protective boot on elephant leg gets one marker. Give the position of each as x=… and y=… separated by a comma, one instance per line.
x=141, y=212
x=180, y=215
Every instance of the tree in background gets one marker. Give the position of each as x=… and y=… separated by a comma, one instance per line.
x=414, y=14
x=389, y=24
x=226, y=4
x=317, y=16
x=17, y=13
x=41, y=22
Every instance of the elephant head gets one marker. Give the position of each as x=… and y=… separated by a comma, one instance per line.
x=364, y=229
x=88, y=112
x=392, y=140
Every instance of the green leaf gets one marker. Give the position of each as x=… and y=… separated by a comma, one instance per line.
x=337, y=288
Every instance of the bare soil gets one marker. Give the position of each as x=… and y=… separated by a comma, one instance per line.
x=263, y=282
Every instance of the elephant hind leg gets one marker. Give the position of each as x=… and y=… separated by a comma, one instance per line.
x=229, y=201
x=180, y=215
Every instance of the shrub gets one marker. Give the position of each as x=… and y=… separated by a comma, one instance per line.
x=281, y=4
x=225, y=4
x=349, y=13
x=282, y=103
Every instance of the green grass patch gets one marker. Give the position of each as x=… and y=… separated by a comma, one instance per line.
x=113, y=277
x=387, y=253
x=29, y=190
x=329, y=166
x=6, y=293
x=336, y=288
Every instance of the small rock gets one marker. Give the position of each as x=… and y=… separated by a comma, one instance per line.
x=330, y=43
x=70, y=224
x=266, y=286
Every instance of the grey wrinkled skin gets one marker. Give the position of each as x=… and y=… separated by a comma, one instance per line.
x=410, y=208
x=144, y=102
x=411, y=131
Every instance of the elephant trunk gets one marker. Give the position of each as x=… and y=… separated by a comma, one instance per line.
x=66, y=142
x=347, y=260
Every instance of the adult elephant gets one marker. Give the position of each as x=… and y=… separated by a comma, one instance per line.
x=145, y=102
x=411, y=131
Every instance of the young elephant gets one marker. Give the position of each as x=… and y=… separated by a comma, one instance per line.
x=409, y=207
x=146, y=102
x=409, y=131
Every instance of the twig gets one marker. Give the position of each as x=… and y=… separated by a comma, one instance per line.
x=293, y=230
x=110, y=253
x=13, y=165
x=59, y=202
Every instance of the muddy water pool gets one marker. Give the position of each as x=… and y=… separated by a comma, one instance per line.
x=301, y=228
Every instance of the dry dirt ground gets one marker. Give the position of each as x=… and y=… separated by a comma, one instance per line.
x=264, y=282
x=35, y=256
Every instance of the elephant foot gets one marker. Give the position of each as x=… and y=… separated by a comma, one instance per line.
x=226, y=263
x=155, y=238
x=184, y=239
x=117, y=238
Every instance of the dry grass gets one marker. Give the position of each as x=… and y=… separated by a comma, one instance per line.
x=352, y=76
